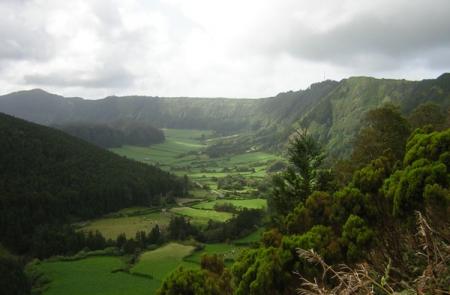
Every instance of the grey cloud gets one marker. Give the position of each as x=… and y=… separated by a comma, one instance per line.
x=115, y=77
x=378, y=41
x=21, y=38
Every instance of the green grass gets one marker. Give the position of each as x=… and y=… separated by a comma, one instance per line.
x=111, y=227
x=229, y=252
x=177, y=143
x=160, y=262
x=254, y=237
x=181, y=154
x=93, y=276
x=248, y=203
x=200, y=216
x=252, y=157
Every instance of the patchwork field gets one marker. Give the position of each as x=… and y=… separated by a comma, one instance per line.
x=181, y=154
x=99, y=275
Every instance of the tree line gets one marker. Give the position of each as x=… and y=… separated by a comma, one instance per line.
x=115, y=134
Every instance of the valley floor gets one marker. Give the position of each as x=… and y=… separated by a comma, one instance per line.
x=180, y=154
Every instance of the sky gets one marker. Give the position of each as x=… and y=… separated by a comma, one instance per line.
x=212, y=48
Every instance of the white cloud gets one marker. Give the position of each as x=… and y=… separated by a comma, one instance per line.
x=95, y=48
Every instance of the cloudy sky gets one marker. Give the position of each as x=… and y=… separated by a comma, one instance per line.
x=230, y=48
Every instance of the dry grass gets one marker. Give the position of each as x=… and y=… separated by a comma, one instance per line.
x=362, y=279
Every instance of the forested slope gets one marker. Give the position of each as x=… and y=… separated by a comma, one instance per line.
x=115, y=135
x=49, y=177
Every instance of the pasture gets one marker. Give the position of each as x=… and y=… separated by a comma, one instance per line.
x=181, y=154
x=160, y=262
x=229, y=252
x=254, y=237
x=94, y=276
x=99, y=275
x=244, y=203
x=199, y=216
x=112, y=226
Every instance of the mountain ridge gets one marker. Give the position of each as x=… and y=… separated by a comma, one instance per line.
x=331, y=110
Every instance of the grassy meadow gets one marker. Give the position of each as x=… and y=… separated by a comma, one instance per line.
x=181, y=154
x=228, y=251
x=94, y=276
x=111, y=227
x=100, y=275
x=160, y=262
x=200, y=216
x=254, y=237
x=244, y=203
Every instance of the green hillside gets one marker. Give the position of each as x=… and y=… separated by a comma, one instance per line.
x=48, y=177
x=336, y=118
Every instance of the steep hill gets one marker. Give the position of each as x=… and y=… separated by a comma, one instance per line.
x=335, y=119
x=330, y=109
x=49, y=177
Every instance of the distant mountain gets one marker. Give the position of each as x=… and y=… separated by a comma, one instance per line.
x=220, y=114
x=49, y=177
x=331, y=110
x=38, y=106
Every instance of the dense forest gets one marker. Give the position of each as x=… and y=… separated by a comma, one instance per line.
x=48, y=178
x=381, y=230
x=115, y=135
x=330, y=110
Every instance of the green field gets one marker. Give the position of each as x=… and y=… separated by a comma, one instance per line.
x=98, y=275
x=254, y=237
x=111, y=227
x=160, y=262
x=94, y=276
x=181, y=154
x=247, y=203
x=229, y=252
x=178, y=142
x=200, y=216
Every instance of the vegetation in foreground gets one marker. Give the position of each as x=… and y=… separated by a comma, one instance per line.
x=368, y=222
